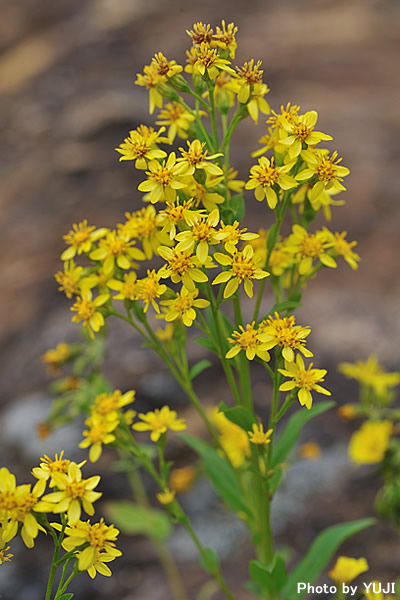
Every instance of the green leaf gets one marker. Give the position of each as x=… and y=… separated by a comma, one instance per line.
x=272, y=235
x=211, y=564
x=275, y=480
x=66, y=596
x=271, y=578
x=221, y=474
x=239, y=415
x=206, y=343
x=289, y=436
x=133, y=519
x=238, y=207
x=199, y=368
x=319, y=555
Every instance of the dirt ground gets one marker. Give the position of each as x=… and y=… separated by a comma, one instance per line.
x=67, y=99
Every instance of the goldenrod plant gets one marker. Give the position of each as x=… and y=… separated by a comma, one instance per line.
x=186, y=261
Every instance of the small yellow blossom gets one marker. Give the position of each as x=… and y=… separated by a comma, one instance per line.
x=181, y=480
x=327, y=169
x=196, y=158
x=251, y=340
x=55, y=357
x=201, y=33
x=164, y=179
x=310, y=451
x=302, y=132
x=109, y=405
x=158, y=72
x=49, y=466
x=158, y=422
x=231, y=235
x=248, y=76
x=183, y=306
x=347, y=569
x=284, y=332
x=174, y=216
x=183, y=266
x=288, y=114
x=69, y=279
x=80, y=239
x=86, y=311
x=225, y=38
x=127, y=288
x=347, y=412
x=149, y=289
x=177, y=119
x=202, y=233
x=266, y=178
x=368, y=445
x=243, y=268
x=204, y=194
x=166, y=497
x=233, y=439
x=259, y=436
x=99, y=432
x=116, y=250
x=306, y=380
x=371, y=374
x=141, y=146
x=166, y=334
x=4, y=557
x=307, y=247
x=202, y=59
x=341, y=247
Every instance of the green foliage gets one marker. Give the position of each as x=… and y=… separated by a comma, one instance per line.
x=134, y=519
x=269, y=578
x=239, y=415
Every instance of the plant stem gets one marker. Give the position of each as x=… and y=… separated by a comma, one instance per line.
x=244, y=368
x=213, y=115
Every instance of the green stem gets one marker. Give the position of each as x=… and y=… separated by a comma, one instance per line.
x=196, y=115
x=213, y=115
x=54, y=563
x=244, y=367
x=63, y=585
x=241, y=113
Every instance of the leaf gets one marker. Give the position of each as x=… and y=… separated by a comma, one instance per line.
x=271, y=578
x=238, y=207
x=221, y=474
x=211, y=565
x=133, y=519
x=239, y=415
x=275, y=480
x=206, y=343
x=66, y=596
x=271, y=239
x=289, y=436
x=319, y=555
x=199, y=368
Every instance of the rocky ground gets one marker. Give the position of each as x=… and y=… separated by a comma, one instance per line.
x=67, y=99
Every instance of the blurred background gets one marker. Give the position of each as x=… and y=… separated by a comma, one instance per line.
x=67, y=100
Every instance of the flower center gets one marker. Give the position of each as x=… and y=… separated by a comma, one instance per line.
x=201, y=231
x=301, y=131
x=268, y=176
x=311, y=246
x=180, y=262
x=163, y=176
x=75, y=489
x=242, y=267
x=326, y=170
x=85, y=309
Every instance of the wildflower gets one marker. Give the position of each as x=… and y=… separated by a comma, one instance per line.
x=231, y=235
x=341, y=247
x=178, y=120
x=200, y=34
x=166, y=334
x=181, y=480
x=141, y=146
x=347, y=412
x=86, y=311
x=288, y=114
x=165, y=68
x=164, y=179
x=283, y=332
x=72, y=492
x=127, y=288
x=306, y=247
x=150, y=289
x=99, y=432
x=371, y=374
x=175, y=215
x=101, y=545
x=69, y=279
x=310, y=451
x=182, y=307
x=166, y=497
x=109, y=405
x=182, y=266
x=49, y=466
x=347, y=569
x=55, y=357
x=265, y=176
x=196, y=158
x=251, y=340
x=202, y=232
x=243, y=268
x=306, y=380
x=302, y=131
x=259, y=436
x=203, y=194
x=247, y=76
x=233, y=440
x=116, y=249
x=327, y=169
x=225, y=38
x=80, y=239
x=368, y=445
x=202, y=59
x=150, y=79
x=158, y=422
x=280, y=259
x=323, y=201
x=257, y=101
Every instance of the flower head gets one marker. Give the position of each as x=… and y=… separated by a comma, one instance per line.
x=164, y=179
x=86, y=311
x=149, y=289
x=183, y=266
x=178, y=120
x=371, y=374
x=307, y=247
x=166, y=497
x=183, y=306
x=266, y=178
x=243, y=268
x=259, y=436
x=202, y=233
x=225, y=38
x=306, y=380
x=251, y=340
x=368, y=445
x=69, y=279
x=141, y=146
x=80, y=239
x=233, y=439
x=346, y=569
x=328, y=171
x=55, y=357
x=301, y=131
x=283, y=332
x=158, y=422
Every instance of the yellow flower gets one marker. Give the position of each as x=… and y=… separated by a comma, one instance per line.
x=141, y=146
x=166, y=497
x=80, y=239
x=196, y=158
x=259, y=436
x=347, y=412
x=347, y=569
x=69, y=279
x=109, y=405
x=127, y=288
x=5, y=557
x=234, y=441
x=324, y=200
x=85, y=309
x=302, y=131
x=48, y=467
x=202, y=232
x=181, y=307
x=288, y=114
x=181, y=480
x=225, y=38
x=251, y=340
x=166, y=334
x=247, y=77
x=150, y=79
x=55, y=357
x=203, y=194
x=257, y=101
x=265, y=176
x=327, y=170
x=116, y=250
x=150, y=289
x=101, y=545
x=72, y=492
x=371, y=374
x=307, y=247
x=368, y=445
x=231, y=235
x=158, y=422
x=182, y=266
x=341, y=247
x=178, y=120
x=99, y=432
x=305, y=380
x=283, y=332
x=243, y=268
x=164, y=179
x=202, y=59
x=310, y=451
x=201, y=33
x=174, y=216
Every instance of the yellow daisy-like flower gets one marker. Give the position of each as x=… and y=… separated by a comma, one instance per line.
x=127, y=288
x=101, y=549
x=150, y=289
x=166, y=497
x=80, y=239
x=284, y=332
x=341, y=247
x=183, y=266
x=109, y=405
x=99, y=432
x=183, y=306
x=55, y=357
x=302, y=131
x=251, y=340
x=204, y=194
x=248, y=76
x=202, y=232
x=73, y=491
x=243, y=268
x=323, y=201
x=165, y=68
x=69, y=279
x=116, y=250
x=86, y=311
x=259, y=436
x=196, y=158
x=234, y=441
x=368, y=445
x=231, y=235
x=49, y=466
x=371, y=374
x=175, y=216
x=141, y=146
x=225, y=38
x=288, y=114
x=150, y=79
x=265, y=176
x=164, y=179
x=326, y=168
x=347, y=569
x=158, y=422
x=177, y=119
x=306, y=380
x=201, y=33
x=307, y=247
x=202, y=59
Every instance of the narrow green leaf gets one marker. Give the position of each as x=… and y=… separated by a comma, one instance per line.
x=271, y=578
x=206, y=343
x=271, y=239
x=239, y=415
x=289, y=436
x=211, y=565
x=221, y=474
x=66, y=596
x=199, y=368
x=133, y=519
x=238, y=207
x=319, y=555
